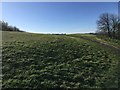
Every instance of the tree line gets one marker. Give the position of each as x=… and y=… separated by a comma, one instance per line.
x=109, y=25
x=4, y=26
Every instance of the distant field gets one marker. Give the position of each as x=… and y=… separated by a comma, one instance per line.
x=59, y=61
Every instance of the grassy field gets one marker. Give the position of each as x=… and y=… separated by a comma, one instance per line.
x=59, y=61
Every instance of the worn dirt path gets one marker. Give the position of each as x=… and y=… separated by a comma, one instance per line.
x=114, y=49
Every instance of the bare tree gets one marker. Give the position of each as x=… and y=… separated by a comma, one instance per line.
x=118, y=32
x=104, y=23
x=114, y=25
x=108, y=24
x=5, y=27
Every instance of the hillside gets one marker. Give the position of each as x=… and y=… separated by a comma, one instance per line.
x=59, y=61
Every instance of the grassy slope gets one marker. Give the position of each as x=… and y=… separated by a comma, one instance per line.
x=38, y=60
x=112, y=46
x=102, y=39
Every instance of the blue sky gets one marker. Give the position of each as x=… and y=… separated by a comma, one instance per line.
x=56, y=17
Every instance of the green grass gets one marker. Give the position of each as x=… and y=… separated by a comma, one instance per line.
x=110, y=41
x=99, y=38
x=54, y=61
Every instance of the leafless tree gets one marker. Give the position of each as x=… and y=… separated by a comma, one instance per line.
x=5, y=27
x=104, y=23
x=114, y=25
x=108, y=24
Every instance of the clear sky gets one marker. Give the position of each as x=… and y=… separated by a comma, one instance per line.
x=56, y=17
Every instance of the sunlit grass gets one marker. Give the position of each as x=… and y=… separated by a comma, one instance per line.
x=56, y=61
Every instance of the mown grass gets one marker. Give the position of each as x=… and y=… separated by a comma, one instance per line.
x=53, y=61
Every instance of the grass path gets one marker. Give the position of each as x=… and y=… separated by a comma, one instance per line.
x=114, y=49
